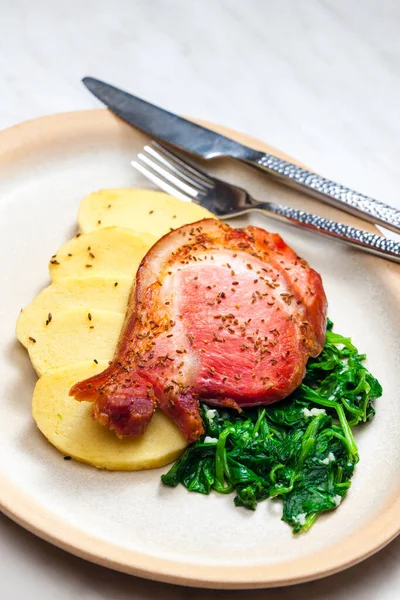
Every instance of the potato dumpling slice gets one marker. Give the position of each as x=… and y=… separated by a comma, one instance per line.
x=141, y=210
x=69, y=426
x=112, y=252
x=73, y=335
x=102, y=293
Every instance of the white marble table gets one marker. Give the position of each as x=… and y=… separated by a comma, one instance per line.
x=320, y=79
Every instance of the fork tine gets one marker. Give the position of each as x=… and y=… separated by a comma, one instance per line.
x=180, y=172
x=190, y=189
x=162, y=183
x=172, y=160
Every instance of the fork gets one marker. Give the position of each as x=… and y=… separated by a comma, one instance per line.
x=186, y=182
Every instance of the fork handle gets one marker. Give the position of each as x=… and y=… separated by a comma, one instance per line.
x=326, y=190
x=364, y=240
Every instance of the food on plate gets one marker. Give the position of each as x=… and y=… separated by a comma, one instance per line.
x=111, y=251
x=228, y=316
x=142, y=210
x=103, y=293
x=224, y=334
x=69, y=426
x=71, y=335
x=301, y=450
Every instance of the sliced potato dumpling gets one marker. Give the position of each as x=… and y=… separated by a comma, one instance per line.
x=112, y=251
x=72, y=335
x=102, y=293
x=141, y=210
x=69, y=426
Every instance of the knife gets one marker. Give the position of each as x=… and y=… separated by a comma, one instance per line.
x=207, y=144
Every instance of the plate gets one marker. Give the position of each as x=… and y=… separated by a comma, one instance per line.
x=129, y=521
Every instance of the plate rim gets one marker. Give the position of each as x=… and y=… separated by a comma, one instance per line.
x=15, y=142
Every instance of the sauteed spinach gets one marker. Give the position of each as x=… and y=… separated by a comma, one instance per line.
x=301, y=449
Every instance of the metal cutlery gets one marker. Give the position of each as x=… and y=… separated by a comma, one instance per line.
x=225, y=200
x=208, y=144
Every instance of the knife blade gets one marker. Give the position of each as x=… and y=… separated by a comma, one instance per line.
x=168, y=127
x=162, y=124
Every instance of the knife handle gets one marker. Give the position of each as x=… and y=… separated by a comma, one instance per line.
x=363, y=240
x=326, y=190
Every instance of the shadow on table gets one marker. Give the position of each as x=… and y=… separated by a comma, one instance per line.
x=66, y=574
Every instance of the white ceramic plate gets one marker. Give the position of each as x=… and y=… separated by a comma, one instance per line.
x=129, y=521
